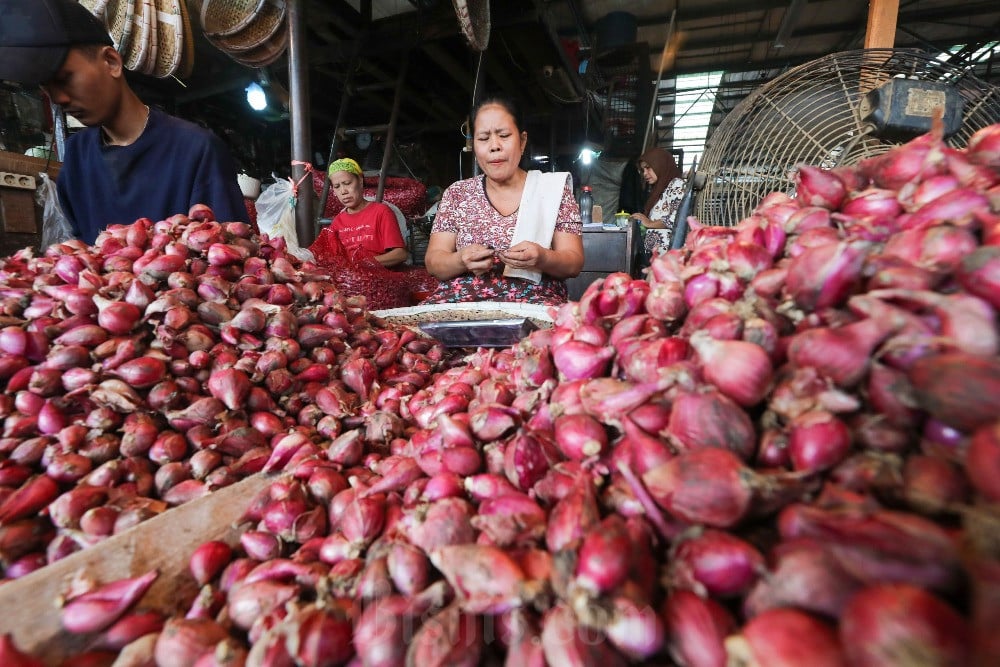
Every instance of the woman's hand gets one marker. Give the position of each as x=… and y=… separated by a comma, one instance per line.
x=478, y=259
x=444, y=262
x=524, y=255
x=646, y=222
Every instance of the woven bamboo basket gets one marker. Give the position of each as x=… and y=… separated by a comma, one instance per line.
x=136, y=53
x=474, y=21
x=186, y=67
x=95, y=7
x=118, y=19
x=170, y=38
x=262, y=28
x=220, y=18
x=267, y=53
x=149, y=64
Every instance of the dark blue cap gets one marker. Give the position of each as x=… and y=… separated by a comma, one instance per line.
x=36, y=35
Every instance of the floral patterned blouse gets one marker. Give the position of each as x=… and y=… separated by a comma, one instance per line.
x=666, y=210
x=465, y=210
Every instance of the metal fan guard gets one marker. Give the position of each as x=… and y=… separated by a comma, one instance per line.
x=809, y=115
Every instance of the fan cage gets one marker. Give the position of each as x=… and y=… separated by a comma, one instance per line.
x=810, y=115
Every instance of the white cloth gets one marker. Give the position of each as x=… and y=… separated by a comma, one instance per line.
x=536, y=216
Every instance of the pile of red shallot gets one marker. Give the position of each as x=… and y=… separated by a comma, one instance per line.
x=160, y=364
x=781, y=448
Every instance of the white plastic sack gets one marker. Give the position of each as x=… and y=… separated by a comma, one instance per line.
x=55, y=226
x=276, y=217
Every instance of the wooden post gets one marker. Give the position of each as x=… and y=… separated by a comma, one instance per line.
x=881, y=33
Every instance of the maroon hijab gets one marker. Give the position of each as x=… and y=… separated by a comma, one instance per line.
x=666, y=170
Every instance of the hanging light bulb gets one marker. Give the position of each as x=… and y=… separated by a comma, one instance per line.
x=256, y=97
x=589, y=152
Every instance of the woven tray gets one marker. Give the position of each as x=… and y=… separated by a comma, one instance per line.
x=139, y=46
x=186, y=67
x=262, y=28
x=170, y=38
x=118, y=19
x=220, y=18
x=267, y=53
x=469, y=312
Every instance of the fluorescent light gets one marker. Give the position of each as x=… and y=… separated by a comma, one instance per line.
x=256, y=97
x=659, y=117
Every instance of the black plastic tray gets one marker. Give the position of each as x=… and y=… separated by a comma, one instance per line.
x=479, y=333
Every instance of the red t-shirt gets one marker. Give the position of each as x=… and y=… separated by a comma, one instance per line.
x=374, y=228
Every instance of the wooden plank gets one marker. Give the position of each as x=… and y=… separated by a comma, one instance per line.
x=882, y=16
x=17, y=210
x=25, y=164
x=29, y=606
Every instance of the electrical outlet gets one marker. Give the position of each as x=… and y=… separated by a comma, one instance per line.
x=20, y=181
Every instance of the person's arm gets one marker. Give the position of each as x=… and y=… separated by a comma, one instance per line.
x=647, y=222
x=563, y=260
x=669, y=202
x=444, y=262
x=389, y=237
x=392, y=257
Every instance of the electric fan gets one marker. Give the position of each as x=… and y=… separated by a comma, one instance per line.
x=836, y=110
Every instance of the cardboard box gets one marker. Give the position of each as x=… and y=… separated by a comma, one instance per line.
x=20, y=215
x=30, y=604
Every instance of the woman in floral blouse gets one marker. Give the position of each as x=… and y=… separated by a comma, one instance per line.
x=471, y=245
x=666, y=182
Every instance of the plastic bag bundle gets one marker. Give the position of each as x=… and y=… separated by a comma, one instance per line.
x=55, y=226
x=276, y=217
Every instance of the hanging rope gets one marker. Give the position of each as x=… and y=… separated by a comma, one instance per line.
x=294, y=199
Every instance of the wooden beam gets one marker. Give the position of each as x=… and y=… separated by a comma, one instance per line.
x=882, y=15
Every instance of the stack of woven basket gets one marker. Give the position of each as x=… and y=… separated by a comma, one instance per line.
x=154, y=37
x=251, y=32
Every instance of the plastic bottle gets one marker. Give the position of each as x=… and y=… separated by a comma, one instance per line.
x=586, y=205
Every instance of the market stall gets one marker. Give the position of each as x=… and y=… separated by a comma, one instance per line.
x=781, y=442
x=778, y=446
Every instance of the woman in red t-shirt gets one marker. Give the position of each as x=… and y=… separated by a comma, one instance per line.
x=366, y=224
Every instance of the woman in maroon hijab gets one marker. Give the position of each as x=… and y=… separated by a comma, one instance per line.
x=666, y=183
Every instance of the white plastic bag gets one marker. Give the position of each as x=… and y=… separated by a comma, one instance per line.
x=276, y=217
x=55, y=226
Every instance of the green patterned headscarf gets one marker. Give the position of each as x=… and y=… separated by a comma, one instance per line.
x=345, y=164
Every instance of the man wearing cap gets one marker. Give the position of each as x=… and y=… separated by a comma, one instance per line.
x=131, y=161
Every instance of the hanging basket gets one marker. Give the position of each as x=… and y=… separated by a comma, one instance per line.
x=170, y=38
x=95, y=7
x=266, y=53
x=220, y=18
x=257, y=33
x=149, y=65
x=474, y=22
x=186, y=67
x=118, y=19
x=135, y=54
